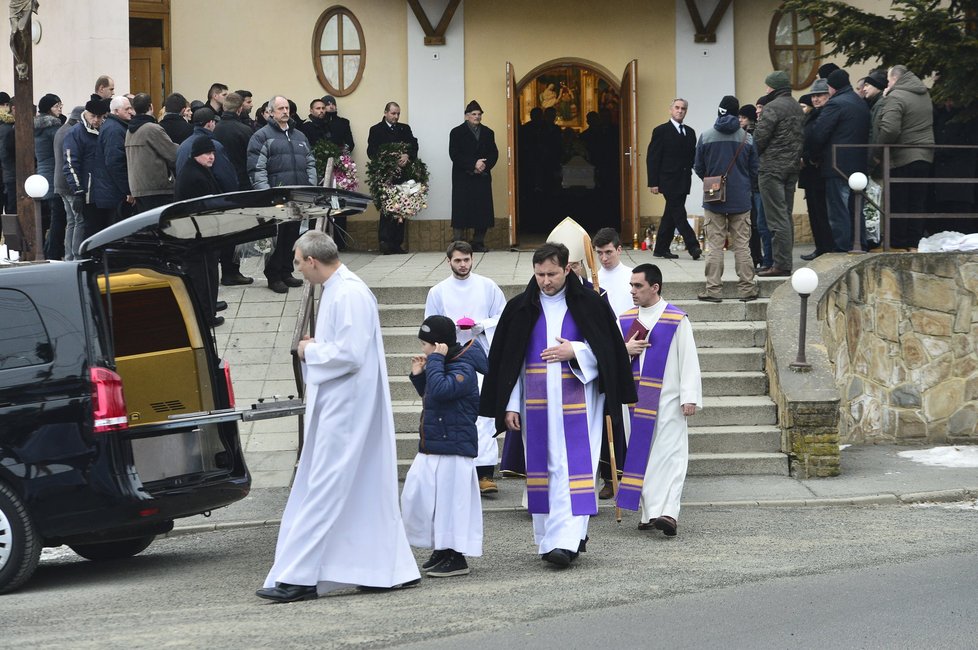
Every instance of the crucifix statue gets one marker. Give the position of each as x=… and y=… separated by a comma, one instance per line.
x=20, y=37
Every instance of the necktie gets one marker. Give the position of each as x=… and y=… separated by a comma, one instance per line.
x=682, y=130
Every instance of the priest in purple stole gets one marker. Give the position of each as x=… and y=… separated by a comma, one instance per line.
x=666, y=371
x=557, y=364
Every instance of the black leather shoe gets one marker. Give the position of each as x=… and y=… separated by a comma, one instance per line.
x=290, y=281
x=666, y=256
x=220, y=305
x=558, y=557
x=705, y=297
x=479, y=248
x=232, y=280
x=286, y=593
x=399, y=251
x=811, y=256
x=403, y=585
x=278, y=286
x=217, y=321
x=696, y=253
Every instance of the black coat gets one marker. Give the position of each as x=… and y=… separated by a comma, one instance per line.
x=234, y=134
x=471, y=191
x=194, y=181
x=176, y=127
x=596, y=323
x=334, y=128
x=843, y=120
x=954, y=163
x=669, y=160
x=381, y=134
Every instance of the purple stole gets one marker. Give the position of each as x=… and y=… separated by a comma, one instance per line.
x=579, y=469
x=643, y=413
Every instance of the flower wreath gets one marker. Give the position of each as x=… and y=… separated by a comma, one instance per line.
x=397, y=200
x=344, y=169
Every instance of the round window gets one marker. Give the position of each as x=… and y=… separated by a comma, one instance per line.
x=795, y=47
x=338, y=51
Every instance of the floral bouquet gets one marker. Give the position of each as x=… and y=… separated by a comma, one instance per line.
x=403, y=199
x=344, y=169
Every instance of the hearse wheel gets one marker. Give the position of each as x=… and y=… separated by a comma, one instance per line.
x=117, y=550
x=20, y=546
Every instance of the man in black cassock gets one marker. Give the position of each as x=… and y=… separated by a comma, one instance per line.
x=472, y=148
x=390, y=229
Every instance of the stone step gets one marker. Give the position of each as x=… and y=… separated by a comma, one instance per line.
x=732, y=464
x=702, y=440
x=675, y=291
x=711, y=360
x=412, y=315
x=742, y=334
x=714, y=384
x=745, y=411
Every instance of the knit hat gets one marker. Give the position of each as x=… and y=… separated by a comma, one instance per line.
x=729, y=104
x=329, y=99
x=4, y=98
x=820, y=87
x=203, y=115
x=97, y=107
x=46, y=103
x=777, y=80
x=876, y=80
x=826, y=69
x=748, y=111
x=438, y=329
x=806, y=100
x=473, y=106
x=194, y=105
x=202, y=144
x=839, y=79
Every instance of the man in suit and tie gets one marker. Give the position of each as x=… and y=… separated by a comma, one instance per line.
x=390, y=230
x=670, y=165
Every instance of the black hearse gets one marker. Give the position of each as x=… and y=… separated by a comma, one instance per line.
x=116, y=414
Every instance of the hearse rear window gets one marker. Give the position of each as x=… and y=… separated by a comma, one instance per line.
x=148, y=320
x=23, y=339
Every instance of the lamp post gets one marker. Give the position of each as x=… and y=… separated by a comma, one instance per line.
x=36, y=187
x=803, y=281
x=857, y=183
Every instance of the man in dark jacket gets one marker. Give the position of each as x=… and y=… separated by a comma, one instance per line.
x=79, y=148
x=670, y=164
x=778, y=137
x=390, y=229
x=204, y=125
x=72, y=220
x=279, y=154
x=728, y=147
x=472, y=148
x=843, y=120
x=195, y=179
x=233, y=134
x=810, y=178
x=325, y=124
x=557, y=343
x=8, y=160
x=110, y=174
x=174, y=123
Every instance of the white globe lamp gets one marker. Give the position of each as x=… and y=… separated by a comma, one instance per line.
x=804, y=281
x=36, y=186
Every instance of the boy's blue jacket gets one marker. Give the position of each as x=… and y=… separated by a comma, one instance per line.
x=450, y=392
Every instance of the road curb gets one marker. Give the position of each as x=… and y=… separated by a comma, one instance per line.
x=882, y=499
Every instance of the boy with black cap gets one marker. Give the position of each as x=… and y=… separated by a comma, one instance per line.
x=440, y=503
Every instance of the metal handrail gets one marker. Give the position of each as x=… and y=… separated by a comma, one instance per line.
x=885, y=214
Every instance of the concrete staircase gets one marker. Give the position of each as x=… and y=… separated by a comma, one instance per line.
x=735, y=433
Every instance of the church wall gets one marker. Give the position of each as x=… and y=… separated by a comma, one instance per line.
x=528, y=35
x=79, y=42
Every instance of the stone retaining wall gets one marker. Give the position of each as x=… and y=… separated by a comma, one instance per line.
x=901, y=331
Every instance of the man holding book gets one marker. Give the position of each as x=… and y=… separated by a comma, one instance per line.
x=659, y=341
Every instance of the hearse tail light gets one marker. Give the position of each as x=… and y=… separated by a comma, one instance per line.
x=108, y=402
x=227, y=380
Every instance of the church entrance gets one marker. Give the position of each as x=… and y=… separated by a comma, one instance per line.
x=569, y=147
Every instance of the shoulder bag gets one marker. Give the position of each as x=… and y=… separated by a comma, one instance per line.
x=715, y=187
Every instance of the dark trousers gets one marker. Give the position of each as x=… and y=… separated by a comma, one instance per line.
x=756, y=254
x=10, y=197
x=390, y=232
x=674, y=218
x=279, y=262
x=485, y=471
x=229, y=266
x=478, y=236
x=57, y=220
x=818, y=215
x=96, y=219
x=906, y=198
x=203, y=279
x=144, y=203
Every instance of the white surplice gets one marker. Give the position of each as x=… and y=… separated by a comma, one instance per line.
x=342, y=523
x=617, y=282
x=441, y=504
x=560, y=528
x=479, y=298
x=665, y=474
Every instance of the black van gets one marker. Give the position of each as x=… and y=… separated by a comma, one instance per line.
x=116, y=414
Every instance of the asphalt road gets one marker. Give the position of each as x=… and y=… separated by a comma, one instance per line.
x=870, y=577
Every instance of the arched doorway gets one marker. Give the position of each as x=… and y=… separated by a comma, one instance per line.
x=566, y=139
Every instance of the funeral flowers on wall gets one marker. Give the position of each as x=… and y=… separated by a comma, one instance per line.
x=399, y=192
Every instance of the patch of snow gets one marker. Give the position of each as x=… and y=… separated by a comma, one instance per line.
x=56, y=553
x=957, y=505
x=841, y=447
x=959, y=456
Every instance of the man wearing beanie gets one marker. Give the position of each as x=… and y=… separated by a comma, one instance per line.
x=472, y=148
x=205, y=122
x=669, y=165
x=843, y=120
x=342, y=524
x=778, y=138
x=727, y=150
x=440, y=502
x=79, y=148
